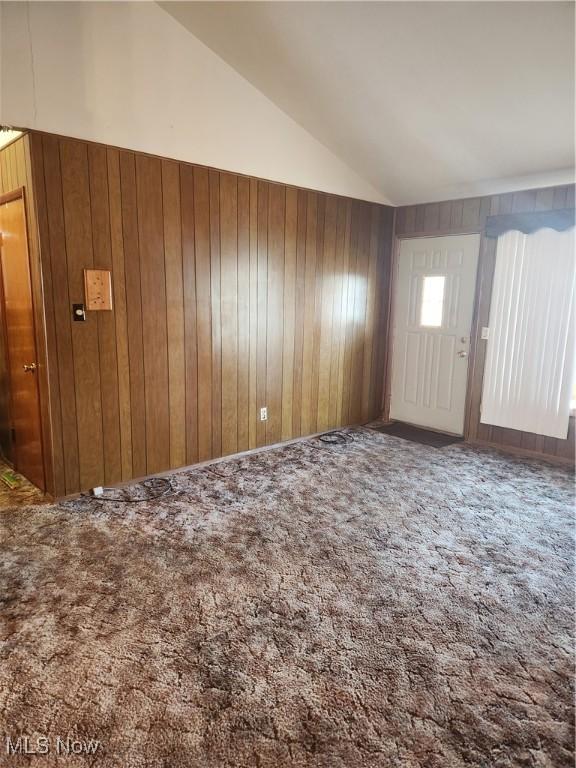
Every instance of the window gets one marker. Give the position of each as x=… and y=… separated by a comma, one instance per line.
x=432, y=301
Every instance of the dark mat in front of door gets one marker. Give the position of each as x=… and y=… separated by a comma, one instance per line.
x=417, y=435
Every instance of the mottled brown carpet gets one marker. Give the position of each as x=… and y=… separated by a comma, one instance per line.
x=378, y=603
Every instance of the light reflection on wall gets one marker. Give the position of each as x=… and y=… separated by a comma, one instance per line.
x=345, y=295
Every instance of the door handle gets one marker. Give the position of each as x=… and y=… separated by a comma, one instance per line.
x=462, y=353
x=30, y=368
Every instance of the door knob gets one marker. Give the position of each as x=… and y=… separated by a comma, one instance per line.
x=462, y=353
x=29, y=368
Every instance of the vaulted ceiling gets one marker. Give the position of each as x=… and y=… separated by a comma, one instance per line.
x=425, y=100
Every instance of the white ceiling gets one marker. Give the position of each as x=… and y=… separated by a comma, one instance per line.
x=425, y=100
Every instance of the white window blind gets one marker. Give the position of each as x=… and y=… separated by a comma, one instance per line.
x=530, y=354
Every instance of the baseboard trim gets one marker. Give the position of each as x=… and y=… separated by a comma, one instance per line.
x=210, y=462
x=522, y=452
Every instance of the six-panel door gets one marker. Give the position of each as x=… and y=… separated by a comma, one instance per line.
x=434, y=300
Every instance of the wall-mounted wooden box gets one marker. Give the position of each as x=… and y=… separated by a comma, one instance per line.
x=98, y=289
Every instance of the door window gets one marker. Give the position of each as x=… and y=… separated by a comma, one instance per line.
x=432, y=301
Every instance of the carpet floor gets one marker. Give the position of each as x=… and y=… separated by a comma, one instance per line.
x=377, y=604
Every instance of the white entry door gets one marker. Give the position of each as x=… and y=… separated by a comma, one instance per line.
x=434, y=299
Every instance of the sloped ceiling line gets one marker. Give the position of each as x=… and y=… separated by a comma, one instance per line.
x=424, y=100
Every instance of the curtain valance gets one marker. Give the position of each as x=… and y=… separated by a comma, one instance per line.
x=527, y=223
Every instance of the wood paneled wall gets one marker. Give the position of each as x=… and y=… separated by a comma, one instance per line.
x=460, y=216
x=16, y=173
x=230, y=294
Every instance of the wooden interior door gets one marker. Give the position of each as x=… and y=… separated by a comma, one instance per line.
x=21, y=342
x=434, y=298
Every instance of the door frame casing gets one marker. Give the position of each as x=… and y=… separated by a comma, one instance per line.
x=474, y=326
x=36, y=291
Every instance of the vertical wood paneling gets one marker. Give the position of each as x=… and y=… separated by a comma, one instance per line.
x=230, y=294
x=328, y=276
x=215, y=282
x=101, y=238
x=174, y=311
x=133, y=311
x=444, y=219
x=203, y=311
x=420, y=221
x=229, y=310
x=370, y=323
x=560, y=197
x=253, y=319
x=544, y=199
x=262, y=332
x=62, y=353
x=190, y=311
x=455, y=214
x=361, y=234
x=471, y=213
x=243, y=300
x=349, y=312
x=289, y=305
x=153, y=292
x=318, y=301
x=300, y=305
x=120, y=311
x=306, y=419
x=432, y=216
x=485, y=205
x=275, y=311
x=343, y=376
x=524, y=201
x=363, y=365
x=85, y=348
x=339, y=324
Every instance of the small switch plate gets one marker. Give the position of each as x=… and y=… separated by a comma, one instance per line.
x=78, y=313
x=485, y=333
x=263, y=414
